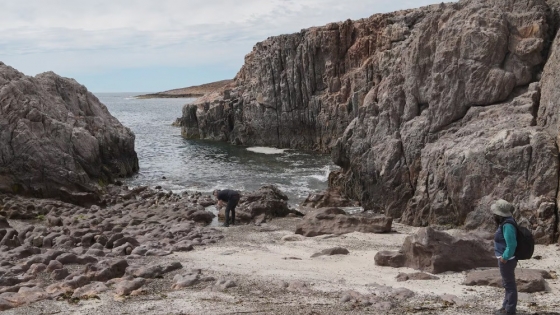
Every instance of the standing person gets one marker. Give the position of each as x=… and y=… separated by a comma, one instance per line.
x=505, y=243
x=232, y=198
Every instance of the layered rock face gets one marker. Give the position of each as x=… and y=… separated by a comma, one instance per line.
x=431, y=113
x=57, y=139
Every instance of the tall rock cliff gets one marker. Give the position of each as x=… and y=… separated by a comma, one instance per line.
x=431, y=113
x=57, y=139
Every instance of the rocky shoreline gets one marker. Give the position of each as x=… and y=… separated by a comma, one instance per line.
x=52, y=249
x=168, y=264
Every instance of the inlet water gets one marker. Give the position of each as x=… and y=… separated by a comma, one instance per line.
x=177, y=164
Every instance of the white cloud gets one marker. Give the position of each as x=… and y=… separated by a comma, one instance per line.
x=81, y=37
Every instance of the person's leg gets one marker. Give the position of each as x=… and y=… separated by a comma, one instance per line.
x=228, y=209
x=507, y=271
x=232, y=203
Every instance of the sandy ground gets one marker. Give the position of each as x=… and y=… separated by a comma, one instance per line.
x=261, y=264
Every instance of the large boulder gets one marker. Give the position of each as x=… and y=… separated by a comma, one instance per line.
x=265, y=203
x=436, y=252
x=527, y=280
x=431, y=113
x=57, y=139
x=336, y=221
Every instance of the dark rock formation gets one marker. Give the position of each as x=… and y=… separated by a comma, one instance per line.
x=57, y=139
x=436, y=252
x=432, y=113
x=336, y=221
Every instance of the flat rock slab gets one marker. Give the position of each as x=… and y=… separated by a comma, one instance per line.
x=332, y=251
x=416, y=276
x=528, y=280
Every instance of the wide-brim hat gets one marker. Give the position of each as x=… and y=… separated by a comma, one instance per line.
x=502, y=208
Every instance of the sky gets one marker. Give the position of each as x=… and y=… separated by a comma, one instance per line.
x=151, y=46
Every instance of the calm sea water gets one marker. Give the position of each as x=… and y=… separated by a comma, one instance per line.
x=168, y=160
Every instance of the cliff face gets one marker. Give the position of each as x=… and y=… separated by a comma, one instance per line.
x=432, y=113
x=57, y=139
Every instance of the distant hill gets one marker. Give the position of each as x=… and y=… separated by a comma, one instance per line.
x=192, y=91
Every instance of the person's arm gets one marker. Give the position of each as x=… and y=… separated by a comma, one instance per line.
x=511, y=241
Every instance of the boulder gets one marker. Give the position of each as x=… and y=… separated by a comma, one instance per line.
x=336, y=221
x=115, y=269
x=186, y=280
x=57, y=139
x=527, y=280
x=25, y=295
x=436, y=252
x=125, y=287
x=90, y=290
x=265, y=203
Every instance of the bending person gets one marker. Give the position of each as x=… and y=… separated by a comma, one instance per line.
x=232, y=199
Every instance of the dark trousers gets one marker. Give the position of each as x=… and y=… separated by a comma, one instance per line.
x=232, y=203
x=507, y=271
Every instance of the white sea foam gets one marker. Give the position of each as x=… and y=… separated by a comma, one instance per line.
x=266, y=150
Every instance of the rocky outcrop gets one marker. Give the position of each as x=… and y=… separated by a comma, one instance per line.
x=436, y=252
x=431, y=113
x=57, y=139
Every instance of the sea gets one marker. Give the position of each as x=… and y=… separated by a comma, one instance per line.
x=168, y=160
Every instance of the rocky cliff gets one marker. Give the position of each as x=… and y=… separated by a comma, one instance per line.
x=431, y=113
x=57, y=139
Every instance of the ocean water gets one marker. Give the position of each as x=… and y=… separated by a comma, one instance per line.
x=177, y=164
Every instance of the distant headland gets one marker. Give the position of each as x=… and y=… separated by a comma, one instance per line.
x=192, y=91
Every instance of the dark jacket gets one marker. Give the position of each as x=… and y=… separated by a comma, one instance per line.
x=227, y=194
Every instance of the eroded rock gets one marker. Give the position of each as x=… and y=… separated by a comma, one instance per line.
x=336, y=221
x=436, y=252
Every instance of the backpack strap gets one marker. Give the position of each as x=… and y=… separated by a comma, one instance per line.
x=511, y=221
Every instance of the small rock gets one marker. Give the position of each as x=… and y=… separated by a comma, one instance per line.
x=332, y=251
x=126, y=287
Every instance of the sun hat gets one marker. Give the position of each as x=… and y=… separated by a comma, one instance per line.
x=502, y=208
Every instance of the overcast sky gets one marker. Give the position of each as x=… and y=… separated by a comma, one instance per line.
x=148, y=45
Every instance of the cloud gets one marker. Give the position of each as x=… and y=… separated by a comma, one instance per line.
x=77, y=38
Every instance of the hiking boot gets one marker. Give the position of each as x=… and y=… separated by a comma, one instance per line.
x=502, y=311
x=225, y=224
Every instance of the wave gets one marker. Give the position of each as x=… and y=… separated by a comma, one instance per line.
x=266, y=150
